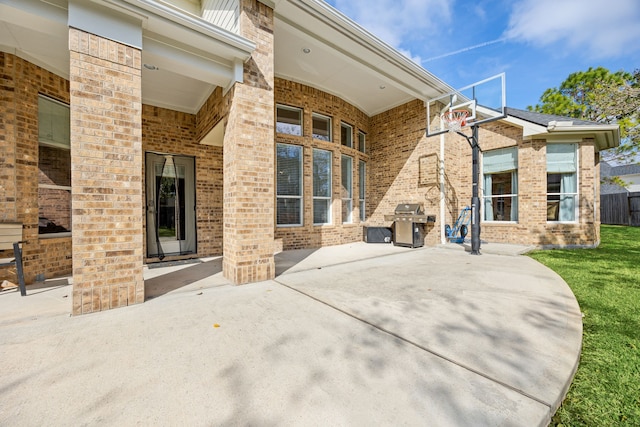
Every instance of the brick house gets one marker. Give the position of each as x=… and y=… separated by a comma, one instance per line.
x=138, y=131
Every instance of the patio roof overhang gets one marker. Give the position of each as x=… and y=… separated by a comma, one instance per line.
x=605, y=135
x=190, y=57
x=187, y=56
x=317, y=45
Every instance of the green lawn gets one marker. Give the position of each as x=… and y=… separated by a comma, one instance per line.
x=606, y=283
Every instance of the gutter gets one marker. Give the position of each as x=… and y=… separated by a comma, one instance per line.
x=606, y=136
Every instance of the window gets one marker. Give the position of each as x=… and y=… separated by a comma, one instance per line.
x=362, y=177
x=321, y=127
x=361, y=142
x=288, y=120
x=347, y=189
x=500, y=168
x=54, y=167
x=346, y=135
x=321, y=187
x=289, y=184
x=562, y=182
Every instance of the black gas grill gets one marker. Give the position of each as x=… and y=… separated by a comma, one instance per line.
x=409, y=220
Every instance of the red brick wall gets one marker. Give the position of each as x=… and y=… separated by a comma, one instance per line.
x=404, y=164
x=532, y=227
x=401, y=154
x=172, y=132
x=163, y=131
x=311, y=101
x=20, y=84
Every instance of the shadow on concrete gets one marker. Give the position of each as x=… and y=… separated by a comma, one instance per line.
x=40, y=287
x=166, y=283
x=288, y=259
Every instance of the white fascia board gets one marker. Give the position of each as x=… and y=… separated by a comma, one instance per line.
x=188, y=29
x=528, y=129
x=379, y=56
x=606, y=136
x=106, y=22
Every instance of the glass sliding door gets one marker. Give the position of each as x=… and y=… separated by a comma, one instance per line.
x=170, y=186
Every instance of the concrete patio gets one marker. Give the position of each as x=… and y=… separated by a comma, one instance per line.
x=356, y=334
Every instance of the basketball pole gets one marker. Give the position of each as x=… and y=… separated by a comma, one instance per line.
x=475, y=200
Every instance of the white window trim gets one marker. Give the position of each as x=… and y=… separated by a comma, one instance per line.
x=364, y=136
x=290, y=108
x=330, y=197
x=349, y=199
x=576, y=214
x=362, y=197
x=300, y=197
x=347, y=126
x=59, y=146
x=329, y=123
x=483, y=192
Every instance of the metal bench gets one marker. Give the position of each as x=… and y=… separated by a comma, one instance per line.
x=11, y=238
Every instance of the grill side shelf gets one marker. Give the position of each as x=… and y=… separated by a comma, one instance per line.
x=412, y=218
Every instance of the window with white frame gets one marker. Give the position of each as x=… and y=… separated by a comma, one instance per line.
x=346, y=135
x=500, y=169
x=288, y=120
x=321, y=127
x=54, y=167
x=362, y=179
x=347, y=189
x=362, y=142
x=289, y=185
x=562, y=182
x=322, y=186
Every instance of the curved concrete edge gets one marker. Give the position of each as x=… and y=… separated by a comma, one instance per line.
x=578, y=350
x=263, y=313
x=556, y=305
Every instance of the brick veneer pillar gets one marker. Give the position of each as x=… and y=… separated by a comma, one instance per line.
x=106, y=165
x=249, y=154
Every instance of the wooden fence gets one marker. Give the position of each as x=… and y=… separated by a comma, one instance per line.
x=620, y=209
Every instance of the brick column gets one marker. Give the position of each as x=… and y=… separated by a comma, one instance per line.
x=249, y=153
x=106, y=164
x=8, y=189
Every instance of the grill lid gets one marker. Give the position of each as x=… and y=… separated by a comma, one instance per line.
x=409, y=209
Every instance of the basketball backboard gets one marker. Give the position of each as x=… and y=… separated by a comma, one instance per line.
x=484, y=101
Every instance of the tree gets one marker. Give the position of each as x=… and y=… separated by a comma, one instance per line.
x=598, y=95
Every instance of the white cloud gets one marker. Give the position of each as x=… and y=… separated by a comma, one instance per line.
x=601, y=28
x=396, y=21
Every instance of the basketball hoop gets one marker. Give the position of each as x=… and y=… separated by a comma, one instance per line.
x=455, y=120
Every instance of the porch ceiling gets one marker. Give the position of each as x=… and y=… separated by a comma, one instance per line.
x=344, y=59
x=185, y=76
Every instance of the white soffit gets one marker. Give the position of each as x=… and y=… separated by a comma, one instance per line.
x=345, y=59
x=192, y=57
x=37, y=32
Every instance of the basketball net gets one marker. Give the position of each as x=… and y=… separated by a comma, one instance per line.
x=455, y=120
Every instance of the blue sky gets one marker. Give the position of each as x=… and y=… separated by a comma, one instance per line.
x=537, y=43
